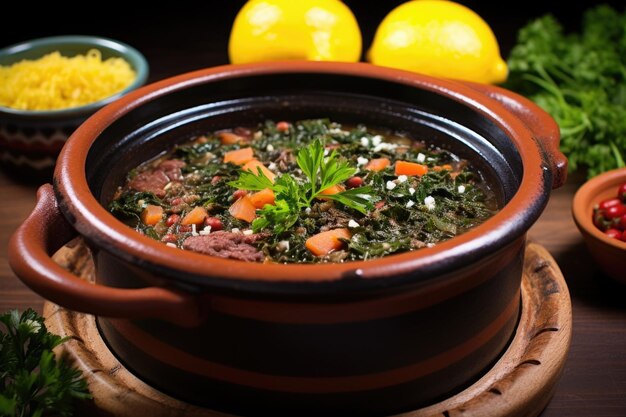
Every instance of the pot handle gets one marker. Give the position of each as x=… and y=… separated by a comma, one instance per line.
x=543, y=127
x=44, y=232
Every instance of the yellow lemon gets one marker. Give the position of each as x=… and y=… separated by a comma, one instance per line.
x=316, y=30
x=440, y=38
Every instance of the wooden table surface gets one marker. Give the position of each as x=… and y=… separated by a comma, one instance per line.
x=594, y=379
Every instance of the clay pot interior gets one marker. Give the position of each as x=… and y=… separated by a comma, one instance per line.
x=159, y=124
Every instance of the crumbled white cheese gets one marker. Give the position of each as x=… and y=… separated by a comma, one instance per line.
x=193, y=230
x=205, y=231
x=410, y=204
x=411, y=190
x=269, y=147
x=402, y=178
x=365, y=142
x=353, y=224
x=283, y=246
x=234, y=230
x=248, y=232
x=258, y=135
x=430, y=245
x=385, y=146
x=421, y=158
x=430, y=203
x=307, y=210
x=391, y=185
x=272, y=166
x=326, y=152
x=461, y=189
x=361, y=161
x=376, y=140
x=170, y=244
x=430, y=159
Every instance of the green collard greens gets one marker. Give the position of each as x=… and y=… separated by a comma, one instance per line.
x=385, y=212
x=580, y=79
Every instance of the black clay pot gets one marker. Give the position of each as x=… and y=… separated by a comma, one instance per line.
x=358, y=338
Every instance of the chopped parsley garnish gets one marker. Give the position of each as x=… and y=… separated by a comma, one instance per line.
x=293, y=196
x=33, y=382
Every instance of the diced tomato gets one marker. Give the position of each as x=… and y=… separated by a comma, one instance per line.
x=614, y=212
x=238, y=194
x=172, y=220
x=354, y=182
x=614, y=233
x=611, y=202
x=282, y=126
x=169, y=238
x=214, y=223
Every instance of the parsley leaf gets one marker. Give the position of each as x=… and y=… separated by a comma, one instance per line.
x=32, y=381
x=580, y=79
x=253, y=182
x=292, y=196
x=288, y=203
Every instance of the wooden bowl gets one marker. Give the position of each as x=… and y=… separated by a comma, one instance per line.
x=609, y=253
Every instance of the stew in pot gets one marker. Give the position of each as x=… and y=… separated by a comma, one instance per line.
x=303, y=192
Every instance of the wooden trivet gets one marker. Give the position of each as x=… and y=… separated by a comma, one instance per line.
x=520, y=384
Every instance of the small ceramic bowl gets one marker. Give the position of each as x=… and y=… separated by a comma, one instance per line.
x=30, y=141
x=608, y=252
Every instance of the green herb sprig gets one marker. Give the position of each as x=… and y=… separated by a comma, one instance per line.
x=580, y=79
x=293, y=196
x=32, y=381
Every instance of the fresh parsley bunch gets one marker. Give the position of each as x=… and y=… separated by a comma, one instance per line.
x=32, y=381
x=580, y=79
x=293, y=196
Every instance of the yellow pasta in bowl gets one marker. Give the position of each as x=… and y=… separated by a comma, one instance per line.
x=49, y=86
x=55, y=82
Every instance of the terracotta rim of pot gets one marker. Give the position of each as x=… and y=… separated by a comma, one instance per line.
x=97, y=225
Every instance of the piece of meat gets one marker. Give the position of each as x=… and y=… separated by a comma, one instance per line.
x=283, y=161
x=226, y=245
x=154, y=181
x=172, y=168
x=150, y=181
x=334, y=218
